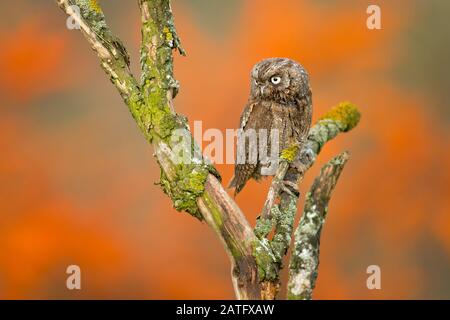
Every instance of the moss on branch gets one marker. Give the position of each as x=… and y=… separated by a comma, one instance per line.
x=186, y=186
x=157, y=119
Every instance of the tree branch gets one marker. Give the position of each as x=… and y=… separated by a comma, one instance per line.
x=113, y=55
x=275, y=188
x=192, y=183
x=304, y=264
x=230, y=224
x=341, y=118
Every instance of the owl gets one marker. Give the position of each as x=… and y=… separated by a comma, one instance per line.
x=279, y=104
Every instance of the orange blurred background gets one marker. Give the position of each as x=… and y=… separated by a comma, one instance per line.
x=77, y=177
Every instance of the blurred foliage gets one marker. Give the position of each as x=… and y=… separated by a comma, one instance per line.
x=426, y=64
x=78, y=176
x=215, y=16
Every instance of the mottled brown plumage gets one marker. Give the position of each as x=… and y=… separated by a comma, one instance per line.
x=280, y=98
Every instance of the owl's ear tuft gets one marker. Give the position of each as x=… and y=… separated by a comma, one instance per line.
x=346, y=113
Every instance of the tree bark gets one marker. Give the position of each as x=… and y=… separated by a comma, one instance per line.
x=191, y=182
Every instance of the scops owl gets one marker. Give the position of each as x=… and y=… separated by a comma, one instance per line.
x=280, y=102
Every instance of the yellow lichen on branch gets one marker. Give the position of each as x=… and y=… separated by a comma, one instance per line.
x=345, y=113
x=93, y=4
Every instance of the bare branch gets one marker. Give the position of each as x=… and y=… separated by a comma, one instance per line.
x=304, y=264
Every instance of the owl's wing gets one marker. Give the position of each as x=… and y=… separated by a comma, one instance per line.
x=243, y=172
x=246, y=115
x=302, y=120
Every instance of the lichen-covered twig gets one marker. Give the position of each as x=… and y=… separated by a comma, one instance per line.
x=341, y=118
x=304, y=262
x=113, y=56
x=275, y=186
x=159, y=38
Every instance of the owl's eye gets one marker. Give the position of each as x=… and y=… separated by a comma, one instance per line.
x=275, y=80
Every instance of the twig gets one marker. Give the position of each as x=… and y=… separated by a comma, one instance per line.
x=274, y=190
x=113, y=55
x=304, y=262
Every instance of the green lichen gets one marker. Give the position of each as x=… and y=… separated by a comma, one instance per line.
x=265, y=260
x=165, y=123
x=159, y=39
x=290, y=152
x=284, y=224
x=263, y=227
x=269, y=253
x=184, y=184
x=186, y=187
x=345, y=113
x=91, y=11
x=233, y=245
x=215, y=212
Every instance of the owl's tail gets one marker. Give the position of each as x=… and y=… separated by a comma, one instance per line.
x=233, y=184
x=236, y=184
x=242, y=173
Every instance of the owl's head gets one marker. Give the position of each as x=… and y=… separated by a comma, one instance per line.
x=279, y=79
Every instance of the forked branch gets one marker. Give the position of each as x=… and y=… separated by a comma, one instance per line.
x=192, y=184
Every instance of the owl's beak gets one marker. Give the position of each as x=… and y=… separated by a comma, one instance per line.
x=261, y=89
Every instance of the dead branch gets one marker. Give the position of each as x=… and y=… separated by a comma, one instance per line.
x=192, y=184
x=304, y=264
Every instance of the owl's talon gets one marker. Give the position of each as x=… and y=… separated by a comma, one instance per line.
x=290, y=188
x=306, y=156
x=299, y=166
